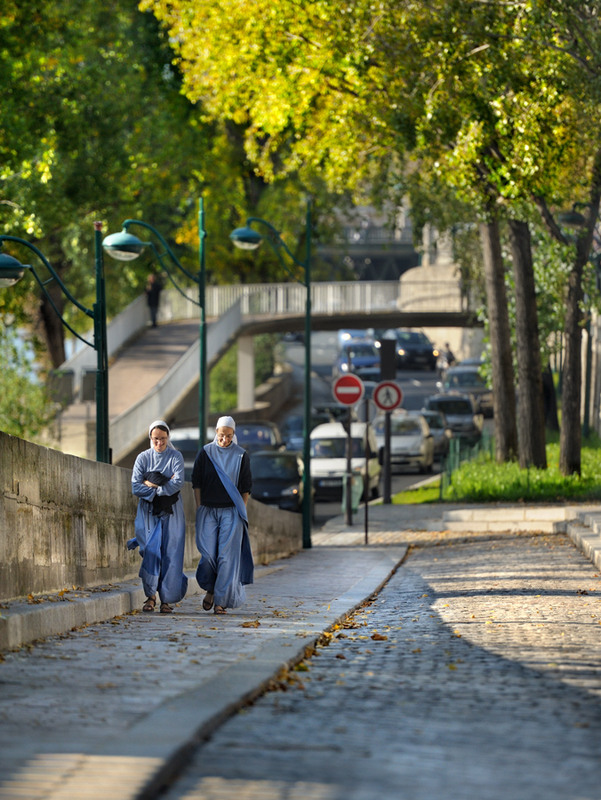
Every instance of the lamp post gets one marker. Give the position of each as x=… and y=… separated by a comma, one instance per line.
x=249, y=239
x=11, y=271
x=124, y=246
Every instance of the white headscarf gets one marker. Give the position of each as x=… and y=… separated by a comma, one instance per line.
x=226, y=422
x=162, y=424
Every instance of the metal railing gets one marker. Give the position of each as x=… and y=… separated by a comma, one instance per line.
x=459, y=453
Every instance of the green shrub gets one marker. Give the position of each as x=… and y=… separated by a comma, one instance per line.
x=483, y=480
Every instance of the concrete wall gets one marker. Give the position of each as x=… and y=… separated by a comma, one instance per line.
x=65, y=521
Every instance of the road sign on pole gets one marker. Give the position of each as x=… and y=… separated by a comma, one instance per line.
x=388, y=395
x=348, y=389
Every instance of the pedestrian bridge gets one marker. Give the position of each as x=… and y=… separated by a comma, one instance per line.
x=149, y=390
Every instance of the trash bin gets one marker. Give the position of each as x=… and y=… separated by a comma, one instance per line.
x=88, y=385
x=60, y=386
x=356, y=490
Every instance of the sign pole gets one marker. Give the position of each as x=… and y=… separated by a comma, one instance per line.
x=349, y=474
x=367, y=455
x=387, y=396
x=387, y=478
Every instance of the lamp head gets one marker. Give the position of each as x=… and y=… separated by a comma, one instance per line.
x=11, y=270
x=123, y=246
x=246, y=238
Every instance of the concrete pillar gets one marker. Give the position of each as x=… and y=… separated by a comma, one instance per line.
x=246, y=372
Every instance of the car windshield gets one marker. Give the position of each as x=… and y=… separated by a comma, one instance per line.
x=358, y=350
x=458, y=379
x=451, y=407
x=335, y=447
x=399, y=427
x=412, y=337
x=277, y=466
x=250, y=434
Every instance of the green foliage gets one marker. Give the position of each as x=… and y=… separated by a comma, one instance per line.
x=223, y=379
x=25, y=408
x=483, y=480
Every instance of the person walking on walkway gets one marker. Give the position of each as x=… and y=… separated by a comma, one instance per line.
x=221, y=480
x=160, y=525
x=153, y=293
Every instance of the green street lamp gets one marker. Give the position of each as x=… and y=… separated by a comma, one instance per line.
x=124, y=246
x=249, y=239
x=11, y=271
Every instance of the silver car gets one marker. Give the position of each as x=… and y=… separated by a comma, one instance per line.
x=411, y=441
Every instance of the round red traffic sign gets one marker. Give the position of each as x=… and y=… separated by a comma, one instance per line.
x=348, y=389
x=388, y=395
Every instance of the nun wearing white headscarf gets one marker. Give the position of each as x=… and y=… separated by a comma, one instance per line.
x=221, y=480
x=160, y=525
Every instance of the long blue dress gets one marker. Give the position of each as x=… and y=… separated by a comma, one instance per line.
x=226, y=563
x=160, y=535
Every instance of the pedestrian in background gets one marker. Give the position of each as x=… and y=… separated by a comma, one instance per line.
x=221, y=480
x=153, y=291
x=160, y=525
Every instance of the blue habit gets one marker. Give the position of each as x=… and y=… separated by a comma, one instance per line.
x=160, y=529
x=226, y=563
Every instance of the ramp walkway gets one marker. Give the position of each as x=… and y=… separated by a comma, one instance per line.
x=152, y=371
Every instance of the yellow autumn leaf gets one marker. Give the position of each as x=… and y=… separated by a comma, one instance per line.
x=251, y=624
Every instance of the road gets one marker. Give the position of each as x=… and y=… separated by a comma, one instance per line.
x=475, y=673
x=416, y=385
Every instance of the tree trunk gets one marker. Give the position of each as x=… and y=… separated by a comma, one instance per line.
x=570, y=439
x=506, y=437
x=531, y=410
x=51, y=326
x=550, y=400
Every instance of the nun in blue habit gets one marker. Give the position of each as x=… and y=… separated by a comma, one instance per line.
x=221, y=480
x=160, y=525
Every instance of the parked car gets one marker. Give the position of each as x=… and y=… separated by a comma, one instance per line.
x=292, y=428
x=467, y=380
x=329, y=462
x=413, y=349
x=258, y=436
x=186, y=441
x=346, y=335
x=441, y=433
x=360, y=358
x=277, y=479
x=337, y=411
x=411, y=442
x=462, y=418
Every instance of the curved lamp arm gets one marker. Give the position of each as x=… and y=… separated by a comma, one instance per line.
x=54, y=276
x=135, y=247
x=277, y=243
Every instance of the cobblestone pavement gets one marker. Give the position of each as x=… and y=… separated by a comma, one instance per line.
x=475, y=673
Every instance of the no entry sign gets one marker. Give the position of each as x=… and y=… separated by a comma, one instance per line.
x=348, y=389
x=388, y=395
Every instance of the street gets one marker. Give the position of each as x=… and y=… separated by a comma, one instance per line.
x=416, y=385
x=475, y=673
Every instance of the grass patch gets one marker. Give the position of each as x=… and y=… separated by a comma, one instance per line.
x=483, y=480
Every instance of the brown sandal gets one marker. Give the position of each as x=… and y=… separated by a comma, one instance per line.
x=149, y=604
x=207, y=602
x=166, y=608
x=220, y=610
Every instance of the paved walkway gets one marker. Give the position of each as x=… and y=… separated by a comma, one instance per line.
x=113, y=708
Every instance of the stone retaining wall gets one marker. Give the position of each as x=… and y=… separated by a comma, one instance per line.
x=64, y=522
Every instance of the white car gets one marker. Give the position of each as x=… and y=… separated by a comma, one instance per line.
x=411, y=441
x=329, y=461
